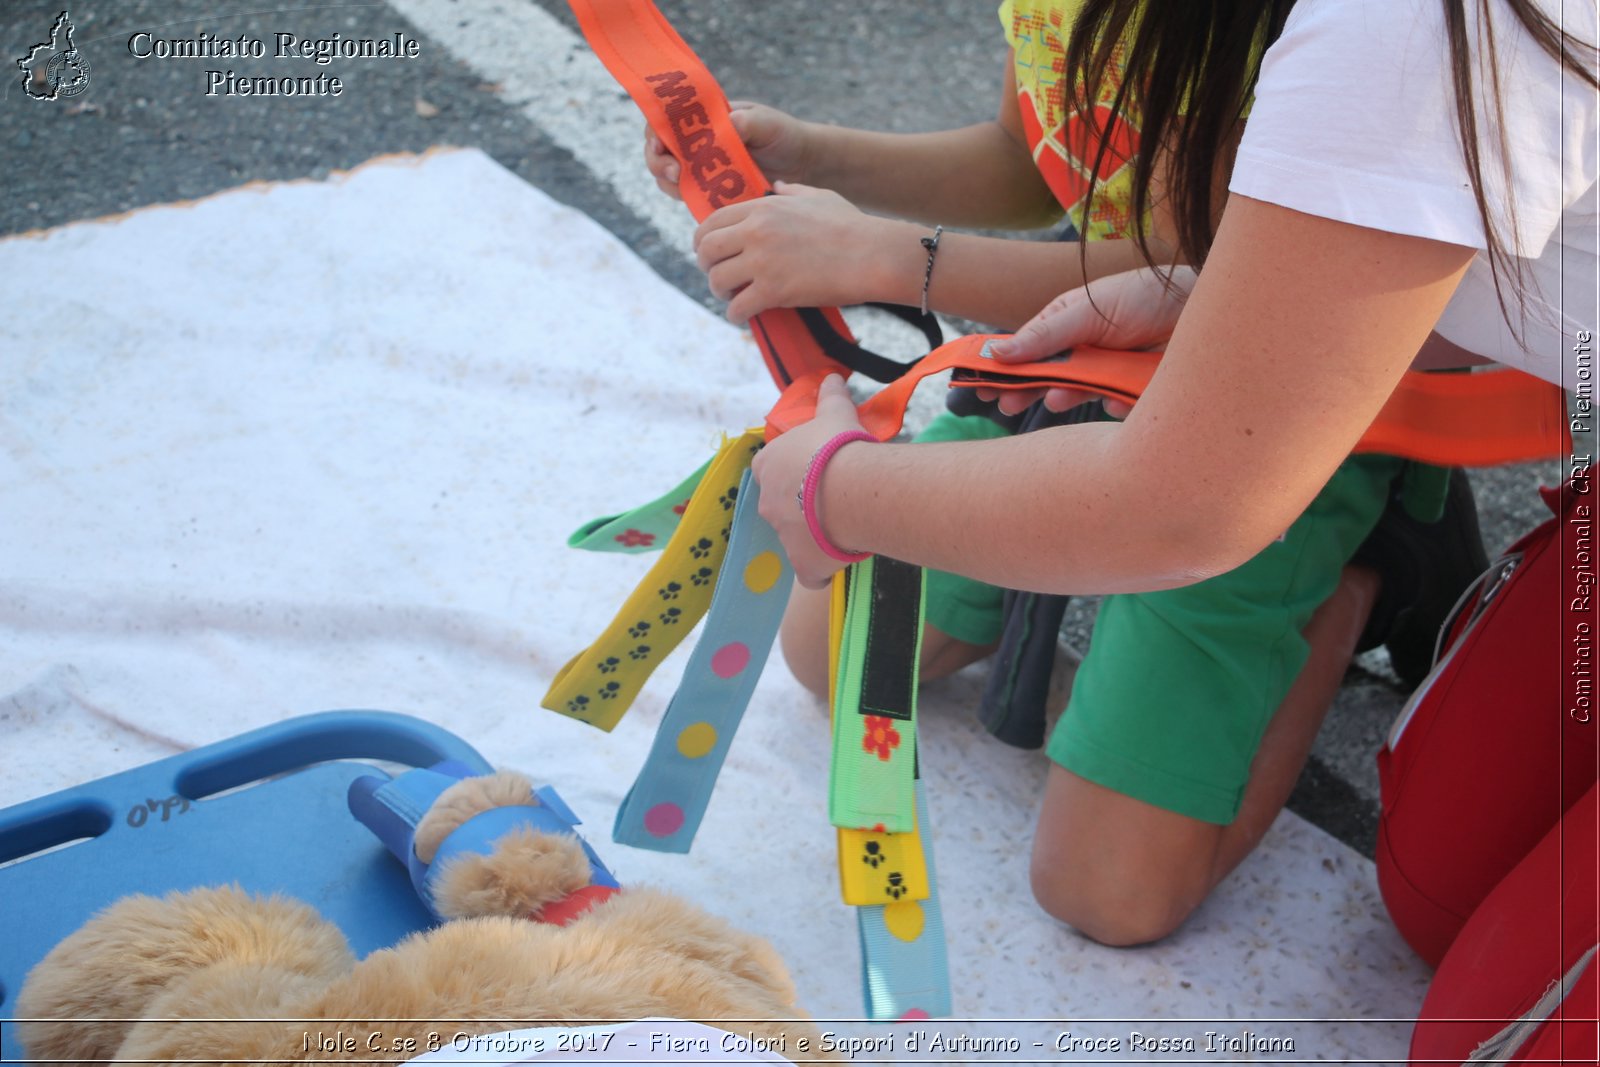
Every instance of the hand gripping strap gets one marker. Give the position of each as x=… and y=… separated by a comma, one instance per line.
x=686, y=108
x=680, y=99
x=599, y=684
x=1456, y=420
x=904, y=970
x=664, y=808
x=646, y=528
x=875, y=699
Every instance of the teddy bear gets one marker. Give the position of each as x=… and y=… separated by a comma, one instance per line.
x=529, y=935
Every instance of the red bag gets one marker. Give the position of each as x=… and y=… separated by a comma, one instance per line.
x=1522, y=981
x=1500, y=739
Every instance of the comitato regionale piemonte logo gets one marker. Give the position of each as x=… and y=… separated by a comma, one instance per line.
x=55, y=69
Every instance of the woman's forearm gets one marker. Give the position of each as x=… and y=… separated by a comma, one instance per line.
x=995, y=280
x=1054, y=511
x=1004, y=282
x=976, y=177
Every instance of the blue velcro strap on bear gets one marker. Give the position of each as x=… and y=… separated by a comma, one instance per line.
x=392, y=808
x=549, y=797
x=481, y=833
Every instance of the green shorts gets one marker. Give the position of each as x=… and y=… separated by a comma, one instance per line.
x=1177, y=687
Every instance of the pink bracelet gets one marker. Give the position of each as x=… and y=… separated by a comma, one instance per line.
x=808, y=493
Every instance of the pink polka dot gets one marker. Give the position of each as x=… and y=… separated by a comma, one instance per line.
x=663, y=819
x=730, y=659
x=916, y=1013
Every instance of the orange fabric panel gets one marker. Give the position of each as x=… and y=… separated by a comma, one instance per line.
x=1463, y=420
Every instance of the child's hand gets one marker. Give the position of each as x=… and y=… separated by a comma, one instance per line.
x=1132, y=310
x=776, y=140
x=662, y=164
x=804, y=247
x=780, y=470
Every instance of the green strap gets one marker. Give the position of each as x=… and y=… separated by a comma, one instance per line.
x=644, y=529
x=875, y=706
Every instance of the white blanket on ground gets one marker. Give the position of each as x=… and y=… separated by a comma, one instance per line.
x=319, y=445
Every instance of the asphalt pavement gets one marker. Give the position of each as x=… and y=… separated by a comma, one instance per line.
x=494, y=74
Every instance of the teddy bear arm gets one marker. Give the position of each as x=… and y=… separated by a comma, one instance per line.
x=468, y=797
x=527, y=870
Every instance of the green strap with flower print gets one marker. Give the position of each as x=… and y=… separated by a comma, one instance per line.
x=644, y=529
x=875, y=702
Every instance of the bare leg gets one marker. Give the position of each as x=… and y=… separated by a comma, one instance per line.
x=1125, y=872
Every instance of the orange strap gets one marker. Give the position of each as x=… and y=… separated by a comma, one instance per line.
x=1461, y=420
x=686, y=108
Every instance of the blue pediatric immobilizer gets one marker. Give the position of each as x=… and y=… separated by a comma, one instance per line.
x=392, y=807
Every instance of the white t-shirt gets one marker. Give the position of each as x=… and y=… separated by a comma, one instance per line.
x=1354, y=120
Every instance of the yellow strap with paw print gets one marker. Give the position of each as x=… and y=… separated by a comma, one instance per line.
x=600, y=683
x=881, y=868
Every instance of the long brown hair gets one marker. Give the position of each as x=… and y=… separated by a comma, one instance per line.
x=1189, y=68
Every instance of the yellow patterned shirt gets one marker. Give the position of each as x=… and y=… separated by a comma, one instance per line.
x=1064, y=144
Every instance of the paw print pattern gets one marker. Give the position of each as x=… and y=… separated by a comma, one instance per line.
x=578, y=704
x=897, y=885
x=671, y=616
x=873, y=854
x=702, y=576
x=638, y=629
x=610, y=690
x=639, y=653
x=701, y=548
x=670, y=591
x=727, y=531
x=729, y=499
x=608, y=665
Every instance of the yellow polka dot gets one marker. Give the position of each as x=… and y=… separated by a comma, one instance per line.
x=763, y=572
x=904, y=919
x=697, y=739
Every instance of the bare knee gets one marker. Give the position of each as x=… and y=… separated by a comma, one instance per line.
x=807, y=669
x=804, y=639
x=1104, y=911
x=1118, y=870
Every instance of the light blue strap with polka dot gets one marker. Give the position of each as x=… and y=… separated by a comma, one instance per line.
x=663, y=809
x=904, y=971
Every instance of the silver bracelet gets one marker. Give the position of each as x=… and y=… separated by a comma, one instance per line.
x=932, y=245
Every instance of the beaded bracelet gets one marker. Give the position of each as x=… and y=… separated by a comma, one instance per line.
x=808, y=493
x=932, y=245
